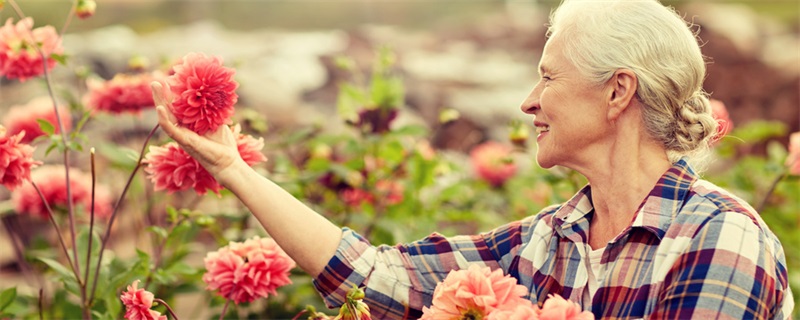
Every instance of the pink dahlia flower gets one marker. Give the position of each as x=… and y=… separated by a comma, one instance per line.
x=492, y=162
x=245, y=271
x=793, y=160
x=390, y=191
x=558, y=308
x=354, y=197
x=249, y=147
x=474, y=293
x=51, y=181
x=724, y=122
x=18, y=56
x=522, y=311
x=123, y=93
x=24, y=118
x=138, y=303
x=170, y=168
x=204, y=92
x=16, y=160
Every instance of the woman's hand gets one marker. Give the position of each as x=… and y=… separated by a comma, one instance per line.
x=216, y=151
x=287, y=220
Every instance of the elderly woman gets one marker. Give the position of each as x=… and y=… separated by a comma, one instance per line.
x=620, y=100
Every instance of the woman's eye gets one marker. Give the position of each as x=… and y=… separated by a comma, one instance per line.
x=546, y=78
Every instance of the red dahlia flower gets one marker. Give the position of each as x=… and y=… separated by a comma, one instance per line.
x=138, y=303
x=51, y=181
x=249, y=147
x=24, y=118
x=492, y=162
x=19, y=58
x=16, y=160
x=123, y=93
x=724, y=122
x=245, y=271
x=793, y=160
x=170, y=168
x=204, y=92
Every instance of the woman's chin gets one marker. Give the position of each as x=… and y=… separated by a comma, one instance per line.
x=544, y=161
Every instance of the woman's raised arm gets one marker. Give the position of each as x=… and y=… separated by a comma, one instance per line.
x=309, y=238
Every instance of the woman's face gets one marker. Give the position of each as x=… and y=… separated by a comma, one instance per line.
x=569, y=111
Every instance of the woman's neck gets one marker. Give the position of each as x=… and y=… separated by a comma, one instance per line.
x=620, y=178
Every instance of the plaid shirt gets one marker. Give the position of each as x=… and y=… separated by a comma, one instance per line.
x=693, y=250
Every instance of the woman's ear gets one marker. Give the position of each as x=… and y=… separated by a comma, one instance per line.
x=622, y=85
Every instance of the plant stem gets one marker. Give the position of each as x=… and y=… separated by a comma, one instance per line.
x=55, y=226
x=19, y=247
x=224, y=309
x=116, y=211
x=41, y=298
x=91, y=229
x=159, y=252
x=63, y=139
x=172, y=313
x=69, y=18
x=770, y=191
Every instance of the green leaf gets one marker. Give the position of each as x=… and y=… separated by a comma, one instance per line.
x=392, y=151
x=411, y=130
x=52, y=146
x=299, y=135
x=113, y=307
x=84, y=118
x=46, y=126
x=172, y=213
x=64, y=273
x=349, y=101
x=387, y=92
x=7, y=297
x=176, y=238
x=158, y=231
x=120, y=157
x=58, y=268
x=61, y=58
x=760, y=130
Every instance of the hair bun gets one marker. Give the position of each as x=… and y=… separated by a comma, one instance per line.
x=695, y=124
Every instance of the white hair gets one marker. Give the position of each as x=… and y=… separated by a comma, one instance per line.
x=654, y=42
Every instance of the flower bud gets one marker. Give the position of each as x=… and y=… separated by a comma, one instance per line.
x=448, y=115
x=321, y=151
x=85, y=8
x=205, y=221
x=354, y=308
x=519, y=134
x=138, y=63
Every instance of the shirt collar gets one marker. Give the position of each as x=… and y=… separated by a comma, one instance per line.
x=659, y=209
x=655, y=214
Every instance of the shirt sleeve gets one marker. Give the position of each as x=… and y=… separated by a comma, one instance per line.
x=399, y=280
x=732, y=269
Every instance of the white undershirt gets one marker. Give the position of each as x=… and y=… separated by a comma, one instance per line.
x=595, y=274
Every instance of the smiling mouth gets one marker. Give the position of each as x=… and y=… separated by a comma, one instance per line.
x=542, y=128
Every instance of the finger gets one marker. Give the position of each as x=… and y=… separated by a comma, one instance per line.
x=158, y=93
x=173, y=131
x=158, y=98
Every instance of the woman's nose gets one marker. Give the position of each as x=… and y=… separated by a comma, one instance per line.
x=531, y=103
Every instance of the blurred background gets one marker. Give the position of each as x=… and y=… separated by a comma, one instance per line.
x=478, y=57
